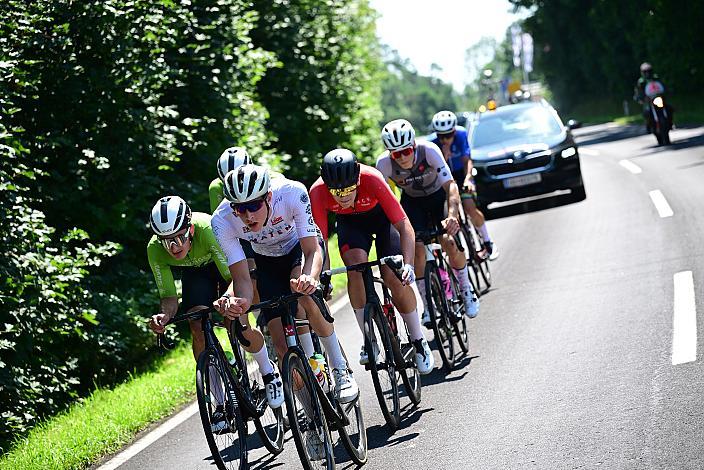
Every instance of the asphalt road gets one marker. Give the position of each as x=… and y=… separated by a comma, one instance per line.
x=571, y=363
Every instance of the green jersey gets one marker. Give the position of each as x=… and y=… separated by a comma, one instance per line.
x=204, y=250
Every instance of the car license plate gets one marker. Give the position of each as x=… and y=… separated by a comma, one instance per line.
x=522, y=180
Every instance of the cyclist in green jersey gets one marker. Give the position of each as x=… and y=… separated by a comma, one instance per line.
x=185, y=240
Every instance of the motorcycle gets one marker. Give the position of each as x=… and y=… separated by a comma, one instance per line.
x=661, y=115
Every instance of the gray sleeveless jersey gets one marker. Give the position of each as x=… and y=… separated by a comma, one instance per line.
x=428, y=174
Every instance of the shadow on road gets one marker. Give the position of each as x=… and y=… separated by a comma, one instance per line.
x=534, y=205
x=680, y=144
x=604, y=134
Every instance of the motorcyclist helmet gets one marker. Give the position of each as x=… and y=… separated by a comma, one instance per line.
x=646, y=70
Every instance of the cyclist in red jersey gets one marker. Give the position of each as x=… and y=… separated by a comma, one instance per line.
x=366, y=210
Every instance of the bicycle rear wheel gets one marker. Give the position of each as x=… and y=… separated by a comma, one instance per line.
x=459, y=327
x=305, y=414
x=438, y=311
x=485, y=273
x=214, y=389
x=378, y=344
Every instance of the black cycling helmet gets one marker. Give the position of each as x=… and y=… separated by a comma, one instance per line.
x=340, y=169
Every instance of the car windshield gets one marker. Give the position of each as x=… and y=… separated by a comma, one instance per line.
x=519, y=123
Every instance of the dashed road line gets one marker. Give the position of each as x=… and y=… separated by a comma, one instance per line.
x=179, y=418
x=630, y=166
x=661, y=204
x=684, y=331
x=588, y=151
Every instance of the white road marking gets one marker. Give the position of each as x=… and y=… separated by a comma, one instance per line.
x=179, y=418
x=588, y=151
x=684, y=331
x=150, y=438
x=661, y=204
x=630, y=166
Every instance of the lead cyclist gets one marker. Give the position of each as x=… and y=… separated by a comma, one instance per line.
x=453, y=142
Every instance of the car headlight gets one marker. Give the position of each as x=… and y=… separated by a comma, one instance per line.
x=658, y=102
x=568, y=152
x=474, y=171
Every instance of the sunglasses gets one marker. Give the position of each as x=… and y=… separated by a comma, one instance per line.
x=396, y=154
x=342, y=192
x=250, y=206
x=179, y=240
x=449, y=136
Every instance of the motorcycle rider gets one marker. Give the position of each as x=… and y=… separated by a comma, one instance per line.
x=646, y=75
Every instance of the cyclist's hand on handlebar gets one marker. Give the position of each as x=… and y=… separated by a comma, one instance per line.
x=156, y=323
x=451, y=226
x=408, y=275
x=305, y=284
x=232, y=307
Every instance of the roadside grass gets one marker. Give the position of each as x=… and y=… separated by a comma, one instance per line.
x=108, y=418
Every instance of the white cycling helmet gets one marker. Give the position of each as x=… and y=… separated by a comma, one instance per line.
x=444, y=122
x=169, y=215
x=398, y=134
x=246, y=183
x=231, y=159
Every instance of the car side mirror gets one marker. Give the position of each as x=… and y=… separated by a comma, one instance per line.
x=573, y=124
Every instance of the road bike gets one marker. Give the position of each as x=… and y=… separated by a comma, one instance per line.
x=230, y=387
x=312, y=411
x=444, y=299
x=390, y=356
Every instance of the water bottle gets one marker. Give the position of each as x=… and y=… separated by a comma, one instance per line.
x=230, y=358
x=446, y=284
x=317, y=363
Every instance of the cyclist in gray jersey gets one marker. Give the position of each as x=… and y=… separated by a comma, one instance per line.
x=430, y=198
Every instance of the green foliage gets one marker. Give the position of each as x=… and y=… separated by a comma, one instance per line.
x=592, y=49
x=412, y=96
x=325, y=92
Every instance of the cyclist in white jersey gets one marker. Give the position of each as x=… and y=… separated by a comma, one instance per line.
x=274, y=215
x=430, y=198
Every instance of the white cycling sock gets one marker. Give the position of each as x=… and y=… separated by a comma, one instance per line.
x=462, y=276
x=262, y=358
x=484, y=233
x=307, y=344
x=332, y=347
x=412, y=321
x=216, y=386
x=359, y=315
x=420, y=282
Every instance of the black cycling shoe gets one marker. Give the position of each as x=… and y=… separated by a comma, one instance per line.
x=218, y=421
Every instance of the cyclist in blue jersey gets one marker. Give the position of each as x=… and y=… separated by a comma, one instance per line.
x=454, y=144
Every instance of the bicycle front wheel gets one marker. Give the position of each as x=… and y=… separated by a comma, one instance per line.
x=354, y=435
x=378, y=344
x=457, y=309
x=438, y=311
x=305, y=414
x=226, y=437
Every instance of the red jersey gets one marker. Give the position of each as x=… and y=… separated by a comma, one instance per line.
x=372, y=190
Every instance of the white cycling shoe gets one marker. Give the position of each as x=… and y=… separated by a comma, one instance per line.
x=364, y=358
x=274, y=388
x=424, y=356
x=471, y=303
x=346, y=389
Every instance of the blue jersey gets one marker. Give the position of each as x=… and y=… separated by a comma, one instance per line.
x=458, y=149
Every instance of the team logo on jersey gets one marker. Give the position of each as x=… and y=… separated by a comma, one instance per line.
x=304, y=198
x=308, y=209
x=277, y=220
x=246, y=229
x=310, y=220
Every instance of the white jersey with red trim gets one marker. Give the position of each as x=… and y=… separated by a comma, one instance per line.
x=290, y=219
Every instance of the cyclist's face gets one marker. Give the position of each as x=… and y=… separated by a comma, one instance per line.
x=347, y=200
x=255, y=220
x=180, y=251
x=404, y=157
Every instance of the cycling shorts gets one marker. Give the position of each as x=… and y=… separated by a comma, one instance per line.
x=426, y=212
x=274, y=277
x=464, y=194
x=201, y=285
x=361, y=229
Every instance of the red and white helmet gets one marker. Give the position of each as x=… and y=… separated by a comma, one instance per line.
x=398, y=134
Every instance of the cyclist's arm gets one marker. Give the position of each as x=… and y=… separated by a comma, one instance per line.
x=164, y=279
x=215, y=194
x=453, y=199
x=216, y=253
x=318, y=198
x=436, y=160
x=326, y=262
x=241, y=285
x=312, y=256
x=168, y=306
x=408, y=240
